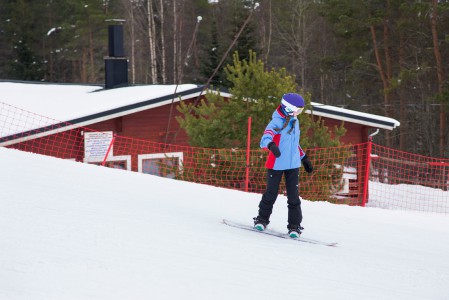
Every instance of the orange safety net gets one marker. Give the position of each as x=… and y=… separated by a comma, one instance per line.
x=364, y=174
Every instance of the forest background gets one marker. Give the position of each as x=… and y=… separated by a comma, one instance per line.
x=386, y=57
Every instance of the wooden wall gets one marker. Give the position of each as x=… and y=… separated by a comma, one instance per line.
x=148, y=125
x=152, y=125
x=355, y=133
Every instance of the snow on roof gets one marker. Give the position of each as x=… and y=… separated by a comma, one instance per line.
x=65, y=102
x=347, y=115
x=353, y=116
x=82, y=105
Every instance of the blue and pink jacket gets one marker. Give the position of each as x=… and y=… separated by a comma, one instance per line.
x=288, y=143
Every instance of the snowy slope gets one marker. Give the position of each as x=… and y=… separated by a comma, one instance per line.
x=77, y=231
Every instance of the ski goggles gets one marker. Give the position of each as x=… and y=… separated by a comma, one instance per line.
x=291, y=109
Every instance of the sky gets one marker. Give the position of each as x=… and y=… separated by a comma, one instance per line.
x=76, y=231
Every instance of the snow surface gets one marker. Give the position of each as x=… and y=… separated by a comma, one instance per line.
x=76, y=231
x=408, y=197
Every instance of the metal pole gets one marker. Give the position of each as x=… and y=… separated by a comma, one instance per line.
x=367, y=169
x=109, y=150
x=248, y=146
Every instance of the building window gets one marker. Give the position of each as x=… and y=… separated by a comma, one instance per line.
x=161, y=164
x=122, y=162
x=116, y=164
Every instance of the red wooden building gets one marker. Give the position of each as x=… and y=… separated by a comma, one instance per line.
x=124, y=113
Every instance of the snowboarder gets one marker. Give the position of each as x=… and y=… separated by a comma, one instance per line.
x=281, y=137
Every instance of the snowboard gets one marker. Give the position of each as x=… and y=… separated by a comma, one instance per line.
x=277, y=234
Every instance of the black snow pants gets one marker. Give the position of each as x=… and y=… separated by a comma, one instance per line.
x=270, y=195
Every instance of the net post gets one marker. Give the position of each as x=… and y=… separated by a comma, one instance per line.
x=109, y=149
x=367, y=169
x=248, y=146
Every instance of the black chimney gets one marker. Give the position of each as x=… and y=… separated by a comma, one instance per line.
x=116, y=40
x=116, y=64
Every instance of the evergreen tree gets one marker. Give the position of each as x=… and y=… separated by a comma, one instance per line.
x=22, y=34
x=246, y=42
x=85, y=34
x=256, y=92
x=214, y=51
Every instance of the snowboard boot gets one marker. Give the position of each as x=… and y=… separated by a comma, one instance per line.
x=294, y=231
x=260, y=224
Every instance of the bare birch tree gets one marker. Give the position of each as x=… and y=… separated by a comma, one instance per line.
x=175, y=42
x=133, y=43
x=152, y=41
x=162, y=38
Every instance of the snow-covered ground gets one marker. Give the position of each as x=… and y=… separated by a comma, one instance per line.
x=408, y=197
x=78, y=231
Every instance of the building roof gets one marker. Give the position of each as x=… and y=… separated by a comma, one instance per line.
x=67, y=106
x=353, y=116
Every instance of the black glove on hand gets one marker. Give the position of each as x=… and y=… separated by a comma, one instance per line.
x=307, y=164
x=274, y=149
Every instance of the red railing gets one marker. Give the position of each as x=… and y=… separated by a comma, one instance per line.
x=364, y=174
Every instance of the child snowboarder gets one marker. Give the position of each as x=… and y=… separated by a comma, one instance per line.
x=281, y=137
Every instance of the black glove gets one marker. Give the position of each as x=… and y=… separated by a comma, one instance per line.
x=274, y=149
x=307, y=164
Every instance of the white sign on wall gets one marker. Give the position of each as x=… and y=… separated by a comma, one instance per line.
x=96, y=145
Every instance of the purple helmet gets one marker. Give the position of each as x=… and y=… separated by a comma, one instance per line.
x=292, y=103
